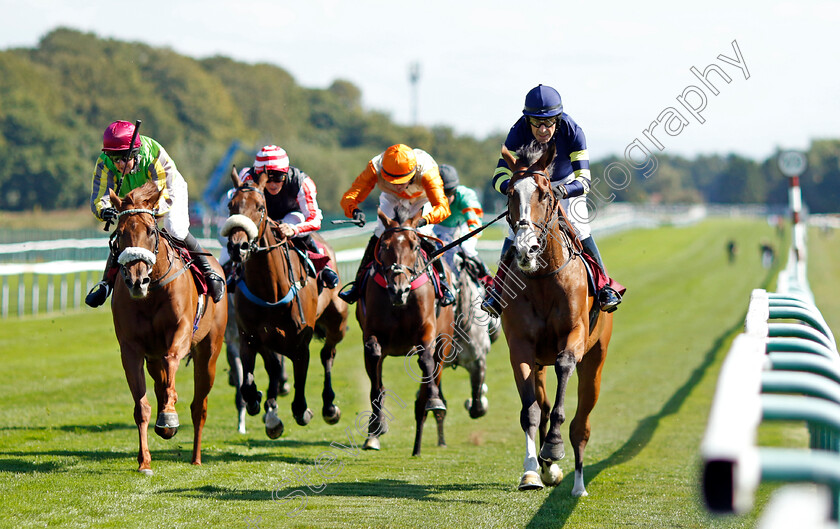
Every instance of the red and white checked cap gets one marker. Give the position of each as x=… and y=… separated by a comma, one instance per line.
x=271, y=158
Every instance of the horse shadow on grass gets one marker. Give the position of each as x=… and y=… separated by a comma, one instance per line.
x=175, y=452
x=560, y=504
x=382, y=488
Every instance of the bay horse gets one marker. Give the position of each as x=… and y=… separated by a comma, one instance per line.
x=547, y=322
x=160, y=317
x=398, y=316
x=279, y=308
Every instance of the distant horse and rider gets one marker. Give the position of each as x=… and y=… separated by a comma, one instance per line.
x=162, y=316
x=280, y=305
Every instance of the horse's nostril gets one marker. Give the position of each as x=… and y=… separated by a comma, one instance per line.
x=535, y=248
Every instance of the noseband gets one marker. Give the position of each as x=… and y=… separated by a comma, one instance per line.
x=135, y=253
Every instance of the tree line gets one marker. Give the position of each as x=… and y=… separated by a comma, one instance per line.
x=57, y=98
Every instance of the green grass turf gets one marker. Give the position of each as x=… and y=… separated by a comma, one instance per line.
x=68, y=442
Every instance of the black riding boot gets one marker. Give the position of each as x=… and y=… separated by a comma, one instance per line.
x=447, y=297
x=328, y=276
x=215, y=282
x=351, y=295
x=607, y=297
x=100, y=291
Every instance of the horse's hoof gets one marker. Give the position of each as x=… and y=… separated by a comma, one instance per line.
x=531, y=481
x=146, y=471
x=435, y=404
x=253, y=407
x=579, y=493
x=285, y=389
x=334, y=417
x=477, y=411
x=166, y=419
x=304, y=419
x=166, y=433
x=275, y=432
x=552, y=451
x=550, y=472
x=371, y=443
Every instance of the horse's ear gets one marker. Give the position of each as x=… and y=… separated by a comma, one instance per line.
x=237, y=183
x=115, y=200
x=548, y=155
x=416, y=218
x=508, y=156
x=261, y=180
x=384, y=218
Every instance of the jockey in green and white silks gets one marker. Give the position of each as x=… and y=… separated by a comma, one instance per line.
x=465, y=217
x=140, y=161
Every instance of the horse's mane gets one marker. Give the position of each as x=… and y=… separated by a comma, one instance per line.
x=142, y=194
x=401, y=214
x=531, y=152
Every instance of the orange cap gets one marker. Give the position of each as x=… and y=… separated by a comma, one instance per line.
x=399, y=164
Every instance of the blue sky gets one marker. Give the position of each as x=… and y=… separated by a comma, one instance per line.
x=619, y=65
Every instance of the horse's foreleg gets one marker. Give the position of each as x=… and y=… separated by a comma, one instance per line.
x=300, y=410
x=248, y=389
x=477, y=404
x=273, y=425
x=162, y=372
x=133, y=366
x=440, y=415
x=552, y=447
x=589, y=387
x=235, y=364
x=529, y=417
x=373, y=367
x=330, y=412
x=204, y=374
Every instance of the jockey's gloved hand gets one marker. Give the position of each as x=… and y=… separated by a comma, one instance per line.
x=359, y=216
x=560, y=191
x=109, y=214
x=422, y=222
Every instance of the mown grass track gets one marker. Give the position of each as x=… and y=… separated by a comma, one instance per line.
x=68, y=442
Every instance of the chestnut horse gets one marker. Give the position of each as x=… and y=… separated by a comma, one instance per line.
x=279, y=308
x=399, y=317
x=546, y=322
x=160, y=317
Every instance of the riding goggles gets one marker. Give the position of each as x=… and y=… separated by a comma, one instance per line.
x=121, y=156
x=548, y=122
x=277, y=176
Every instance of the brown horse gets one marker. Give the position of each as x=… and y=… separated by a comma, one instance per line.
x=279, y=308
x=398, y=317
x=159, y=317
x=546, y=322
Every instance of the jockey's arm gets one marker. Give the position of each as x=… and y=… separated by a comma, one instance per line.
x=582, y=179
x=433, y=185
x=99, y=198
x=308, y=206
x=359, y=190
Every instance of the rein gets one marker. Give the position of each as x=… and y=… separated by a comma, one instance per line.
x=264, y=225
x=163, y=280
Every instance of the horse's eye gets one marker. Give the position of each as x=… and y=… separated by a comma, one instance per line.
x=150, y=230
x=261, y=209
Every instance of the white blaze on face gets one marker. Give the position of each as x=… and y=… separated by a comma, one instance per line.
x=526, y=236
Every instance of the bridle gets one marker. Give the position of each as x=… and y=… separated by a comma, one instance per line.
x=420, y=264
x=144, y=254
x=552, y=217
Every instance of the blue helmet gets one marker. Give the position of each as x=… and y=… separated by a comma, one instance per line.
x=543, y=102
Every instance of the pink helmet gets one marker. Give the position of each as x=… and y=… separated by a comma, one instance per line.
x=117, y=137
x=271, y=158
